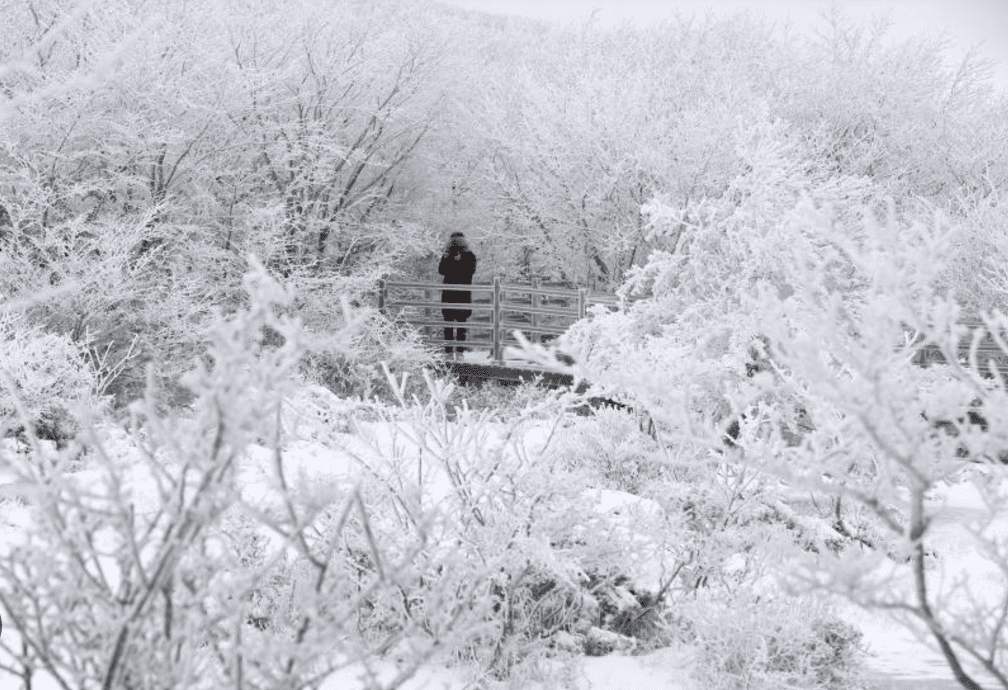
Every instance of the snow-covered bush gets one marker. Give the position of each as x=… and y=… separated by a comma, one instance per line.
x=122, y=576
x=128, y=290
x=693, y=324
x=892, y=436
x=757, y=643
x=839, y=299
x=610, y=447
x=45, y=377
x=147, y=567
x=348, y=359
x=543, y=563
x=508, y=400
x=976, y=269
x=789, y=313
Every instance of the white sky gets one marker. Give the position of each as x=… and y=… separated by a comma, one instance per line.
x=982, y=24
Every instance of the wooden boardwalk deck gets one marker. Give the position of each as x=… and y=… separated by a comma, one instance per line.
x=508, y=373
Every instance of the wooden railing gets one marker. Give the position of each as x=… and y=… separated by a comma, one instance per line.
x=986, y=351
x=538, y=312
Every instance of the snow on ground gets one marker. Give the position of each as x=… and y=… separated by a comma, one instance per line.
x=898, y=660
x=664, y=669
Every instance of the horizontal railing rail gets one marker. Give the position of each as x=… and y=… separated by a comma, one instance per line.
x=987, y=349
x=498, y=308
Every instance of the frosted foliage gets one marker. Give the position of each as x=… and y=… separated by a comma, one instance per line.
x=755, y=643
x=723, y=247
x=694, y=317
x=49, y=373
x=611, y=448
x=123, y=566
x=977, y=270
x=892, y=436
x=811, y=348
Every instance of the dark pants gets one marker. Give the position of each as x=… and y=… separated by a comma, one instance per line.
x=452, y=333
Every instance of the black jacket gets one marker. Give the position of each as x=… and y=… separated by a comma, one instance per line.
x=458, y=265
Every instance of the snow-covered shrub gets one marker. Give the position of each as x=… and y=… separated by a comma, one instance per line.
x=129, y=290
x=506, y=400
x=485, y=505
x=753, y=642
x=891, y=436
x=348, y=360
x=507, y=525
x=315, y=412
x=165, y=599
x=840, y=297
x=693, y=324
x=148, y=567
x=836, y=291
x=610, y=447
x=45, y=377
x=976, y=269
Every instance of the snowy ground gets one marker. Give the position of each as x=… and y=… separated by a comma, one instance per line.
x=664, y=669
x=898, y=659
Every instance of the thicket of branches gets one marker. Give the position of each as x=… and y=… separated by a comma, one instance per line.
x=785, y=328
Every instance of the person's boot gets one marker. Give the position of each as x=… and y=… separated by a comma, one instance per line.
x=449, y=348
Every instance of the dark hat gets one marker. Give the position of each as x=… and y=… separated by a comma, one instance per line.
x=457, y=234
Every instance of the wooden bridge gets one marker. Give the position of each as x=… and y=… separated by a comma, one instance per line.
x=539, y=312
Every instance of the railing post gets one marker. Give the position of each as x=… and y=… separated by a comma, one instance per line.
x=427, y=314
x=582, y=302
x=535, y=304
x=497, y=320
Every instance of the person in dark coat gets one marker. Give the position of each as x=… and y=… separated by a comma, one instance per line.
x=458, y=264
